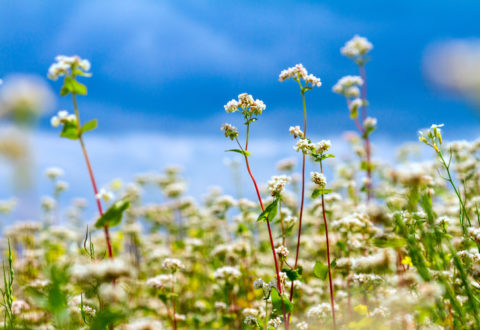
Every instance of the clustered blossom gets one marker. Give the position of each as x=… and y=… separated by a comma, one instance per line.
x=296, y=131
x=323, y=146
x=354, y=105
x=172, y=265
x=355, y=47
x=65, y=65
x=432, y=136
x=246, y=105
x=370, y=123
x=62, y=117
x=319, y=179
x=275, y=323
x=276, y=185
x=298, y=72
x=160, y=282
x=348, y=86
x=282, y=251
x=105, y=195
x=305, y=146
x=54, y=172
x=230, y=131
x=227, y=274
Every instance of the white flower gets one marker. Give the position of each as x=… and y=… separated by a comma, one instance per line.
x=296, y=131
x=319, y=178
x=258, y=283
x=172, y=264
x=275, y=323
x=161, y=282
x=104, y=194
x=304, y=145
x=230, y=131
x=277, y=184
x=231, y=106
x=54, y=172
x=299, y=72
x=357, y=46
x=323, y=146
x=370, y=123
x=19, y=306
x=227, y=274
x=348, y=86
x=282, y=251
x=66, y=64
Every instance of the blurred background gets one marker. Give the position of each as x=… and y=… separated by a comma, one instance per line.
x=162, y=71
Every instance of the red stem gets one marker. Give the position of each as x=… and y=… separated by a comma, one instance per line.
x=95, y=191
x=332, y=302
x=271, y=239
x=363, y=74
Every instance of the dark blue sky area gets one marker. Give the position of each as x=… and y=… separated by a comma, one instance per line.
x=169, y=66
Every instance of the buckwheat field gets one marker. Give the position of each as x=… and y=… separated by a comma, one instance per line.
x=327, y=242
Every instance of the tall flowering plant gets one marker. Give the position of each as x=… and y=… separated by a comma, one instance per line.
x=71, y=68
x=354, y=89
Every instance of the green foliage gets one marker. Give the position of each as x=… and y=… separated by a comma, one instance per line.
x=320, y=270
x=319, y=192
x=270, y=211
x=71, y=85
x=243, y=152
x=113, y=216
x=279, y=302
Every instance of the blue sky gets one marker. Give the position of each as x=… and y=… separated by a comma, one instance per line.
x=162, y=70
x=169, y=66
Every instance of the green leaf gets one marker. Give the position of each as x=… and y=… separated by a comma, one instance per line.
x=245, y=153
x=70, y=85
x=320, y=270
x=325, y=156
x=277, y=300
x=319, y=192
x=70, y=130
x=89, y=126
x=392, y=242
x=334, y=263
x=293, y=274
x=270, y=211
x=113, y=216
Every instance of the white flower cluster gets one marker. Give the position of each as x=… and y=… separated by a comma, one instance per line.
x=105, y=270
x=354, y=105
x=304, y=145
x=65, y=64
x=227, y=274
x=54, y=172
x=370, y=123
x=230, y=131
x=320, y=311
x=296, y=131
x=319, y=179
x=298, y=72
x=275, y=323
x=160, y=282
x=19, y=306
x=276, y=185
x=104, y=194
x=62, y=117
x=251, y=320
x=282, y=251
x=172, y=265
x=348, y=86
x=246, y=104
x=431, y=136
x=474, y=233
x=355, y=47
x=323, y=146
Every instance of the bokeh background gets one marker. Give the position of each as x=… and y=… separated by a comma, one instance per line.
x=162, y=71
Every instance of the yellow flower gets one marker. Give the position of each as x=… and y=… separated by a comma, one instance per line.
x=407, y=261
x=361, y=309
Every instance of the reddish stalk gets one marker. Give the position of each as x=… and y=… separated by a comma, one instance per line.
x=300, y=216
x=92, y=179
x=332, y=302
x=271, y=239
x=272, y=245
x=363, y=74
